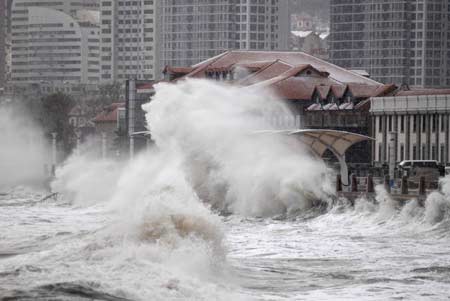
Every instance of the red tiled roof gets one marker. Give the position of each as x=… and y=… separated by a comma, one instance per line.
x=338, y=90
x=255, y=66
x=419, y=92
x=386, y=90
x=178, y=70
x=323, y=91
x=230, y=58
x=286, y=73
x=294, y=89
x=363, y=105
x=362, y=91
x=109, y=114
x=269, y=71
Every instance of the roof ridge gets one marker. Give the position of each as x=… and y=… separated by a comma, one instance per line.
x=260, y=70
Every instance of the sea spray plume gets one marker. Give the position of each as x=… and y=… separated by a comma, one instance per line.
x=213, y=129
x=437, y=204
x=23, y=150
x=154, y=215
x=155, y=200
x=87, y=180
x=158, y=209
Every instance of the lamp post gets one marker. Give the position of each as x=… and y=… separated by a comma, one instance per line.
x=78, y=135
x=103, y=145
x=54, y=134
x=392, y=150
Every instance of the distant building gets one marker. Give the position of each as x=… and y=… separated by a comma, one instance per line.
x=108, y=124
x=194, y=30
x=309, y=42
x=420, y=120
x=302, y=22
x=54, y=44
x=404, y=42
x=128, y=40
x=5, y=41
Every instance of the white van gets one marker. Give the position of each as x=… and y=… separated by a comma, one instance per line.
x=409, y=164
x=430, y=169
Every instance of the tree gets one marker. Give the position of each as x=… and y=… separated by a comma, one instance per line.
x=54, y=117
x=110, y=93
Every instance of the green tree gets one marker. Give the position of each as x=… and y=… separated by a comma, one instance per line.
x=54, y=117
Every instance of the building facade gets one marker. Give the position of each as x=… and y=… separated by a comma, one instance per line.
x=128, y=40
x=53, y=45
x=420, y=123
x=404, y=42
x=195, y=30
x=5, y=41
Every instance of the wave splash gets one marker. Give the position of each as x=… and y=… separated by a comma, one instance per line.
x=213, y=130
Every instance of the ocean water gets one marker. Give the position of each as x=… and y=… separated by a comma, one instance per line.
x=215, y=210
x=55, y=250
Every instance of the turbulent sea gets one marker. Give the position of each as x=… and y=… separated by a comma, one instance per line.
x=53, y=250
x=220, y=208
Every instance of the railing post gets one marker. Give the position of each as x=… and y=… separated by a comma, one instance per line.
x=370, y=188
x=404, y=185
x=354, y=183
x=422, y=186
x=338, y=183
x=387, y=183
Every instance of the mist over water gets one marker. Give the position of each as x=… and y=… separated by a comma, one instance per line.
x=217, y=210
x=23, y=150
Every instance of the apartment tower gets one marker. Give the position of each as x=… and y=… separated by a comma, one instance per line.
x=194, y=30
x=54, y=43
x=396, y=41
x=128, y=40
x=5, y=40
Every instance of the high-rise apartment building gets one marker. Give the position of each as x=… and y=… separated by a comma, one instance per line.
x=54, y=43
x=128, y=40
x=395, y=41
x=5, y=41
x=194, y=30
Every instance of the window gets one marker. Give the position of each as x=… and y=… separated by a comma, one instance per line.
x=434, y=120
x=414, y=152
x=414, y=124
x=402, y=152
x=380, y=124
x=424, y=123
x=443, y=159
x=424, y=151
x=390, y=123
x=402, y=124
x=380, y=147
x=433, y=152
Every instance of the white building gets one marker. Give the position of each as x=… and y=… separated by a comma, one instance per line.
x=195, y=30
x=420, y=121
x=128, y=40
x=54, y=46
